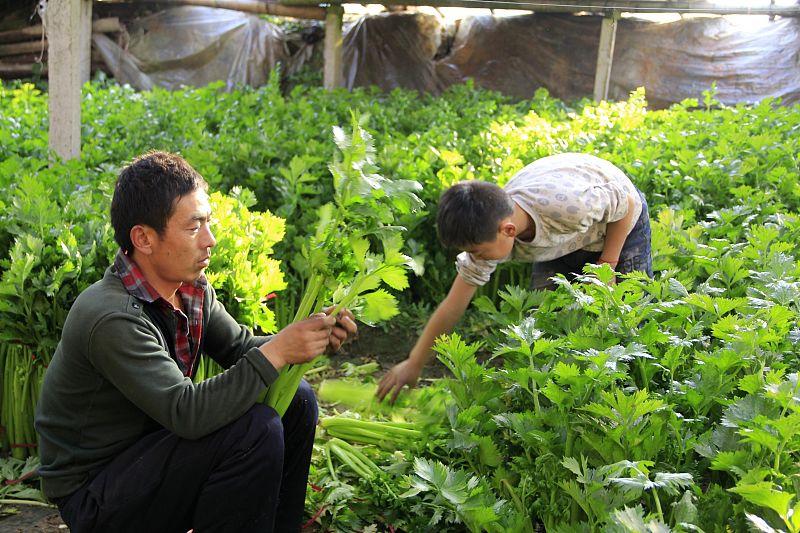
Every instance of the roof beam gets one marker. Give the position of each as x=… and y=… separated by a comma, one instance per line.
x=299, y=10
x=763, y=7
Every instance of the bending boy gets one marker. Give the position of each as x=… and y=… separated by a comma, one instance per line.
x=559, y=213
x=127, y=441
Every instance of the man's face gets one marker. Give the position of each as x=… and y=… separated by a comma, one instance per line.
x=495, y=250
x=183, y=252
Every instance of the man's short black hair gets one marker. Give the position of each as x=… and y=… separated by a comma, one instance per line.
x=147, y=191
x=469, y=213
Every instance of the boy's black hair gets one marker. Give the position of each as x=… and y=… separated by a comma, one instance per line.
x=146, y=193
x=469, y=213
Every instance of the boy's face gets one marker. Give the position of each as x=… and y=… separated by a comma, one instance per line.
x=495, y=250
x=183, y=252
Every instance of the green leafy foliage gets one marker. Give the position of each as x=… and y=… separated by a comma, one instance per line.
x=645, y=382
x=56, y=240
x=649, y=405
x=242, y=270
x=15, y=484
x=356, y=246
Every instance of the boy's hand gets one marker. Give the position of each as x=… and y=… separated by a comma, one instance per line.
x=402, y=374
x=299, y=342
x=344, y=329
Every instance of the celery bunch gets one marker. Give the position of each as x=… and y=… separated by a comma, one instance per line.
x=356, y=248
x=361, y=397
x=352, y=457
x=388, y=435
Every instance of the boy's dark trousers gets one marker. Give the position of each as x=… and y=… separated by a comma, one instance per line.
x=635, y=255
x=250, y=475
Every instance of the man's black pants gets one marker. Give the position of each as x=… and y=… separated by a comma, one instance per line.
x=250, y=475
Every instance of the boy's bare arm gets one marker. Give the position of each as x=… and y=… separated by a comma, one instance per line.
x=441, y=321
x=616, y=233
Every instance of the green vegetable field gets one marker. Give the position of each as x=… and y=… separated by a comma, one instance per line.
x=665, y=404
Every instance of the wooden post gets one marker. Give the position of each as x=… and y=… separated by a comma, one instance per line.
x=85, y=43
x=333, y=47
x=69, y=57
x=605, y=55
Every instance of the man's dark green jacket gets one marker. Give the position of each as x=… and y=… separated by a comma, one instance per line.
x=112, y=380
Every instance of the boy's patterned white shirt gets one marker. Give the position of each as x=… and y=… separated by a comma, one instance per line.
x=571, y=198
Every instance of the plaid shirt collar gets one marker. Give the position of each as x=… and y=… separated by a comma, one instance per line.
x=189, y=326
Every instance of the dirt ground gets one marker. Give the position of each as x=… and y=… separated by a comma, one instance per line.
x=387, y=346
x=29, y=519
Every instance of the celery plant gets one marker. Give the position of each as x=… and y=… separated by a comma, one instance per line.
x=359, y=396
x=352, y=457
x=342, y=261
x=390, y=435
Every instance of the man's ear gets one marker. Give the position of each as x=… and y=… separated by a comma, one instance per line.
x=508, y=228
x=142, y=239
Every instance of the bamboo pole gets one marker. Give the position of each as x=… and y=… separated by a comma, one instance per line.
x=22, y=48
x=23, y=34
x=104, y=25
x=746, y=7
x=17, y=70
x=310, y=11
x=24, y=59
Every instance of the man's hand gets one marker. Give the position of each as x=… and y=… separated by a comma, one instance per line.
x=402, y=374
x=299, y=342
x=344, y=328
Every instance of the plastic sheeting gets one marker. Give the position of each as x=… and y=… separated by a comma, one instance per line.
x=517, y=55
x=749, y=58
x=393, y=50
x=194, y=46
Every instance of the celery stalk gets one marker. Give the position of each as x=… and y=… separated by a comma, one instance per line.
x=339, y=252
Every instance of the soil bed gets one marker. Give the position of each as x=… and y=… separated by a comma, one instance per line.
x=387, y=346
x=32, y=519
